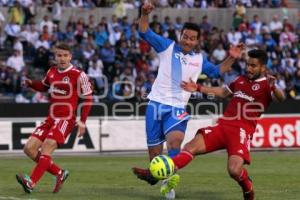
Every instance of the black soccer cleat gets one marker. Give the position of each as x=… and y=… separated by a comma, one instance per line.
x=144, y=174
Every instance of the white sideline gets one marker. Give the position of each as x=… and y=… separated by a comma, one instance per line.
x=14, y=198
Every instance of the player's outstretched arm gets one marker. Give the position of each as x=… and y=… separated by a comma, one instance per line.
x=158, y=42
x=144, y=19
x=34, y=84
x=214, y=71
x=193, y=87
x=234, y=53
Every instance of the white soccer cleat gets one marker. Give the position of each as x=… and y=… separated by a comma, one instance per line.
x=168, y=185
x=170, y=195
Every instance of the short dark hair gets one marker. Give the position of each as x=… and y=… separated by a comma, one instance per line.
x=191, y=26
x=259, y=54
x=64, y=46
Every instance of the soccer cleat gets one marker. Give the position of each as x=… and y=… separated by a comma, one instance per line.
x=60, y=179
x=144, y=174
x=26, y=182
x=249, y=195
x=169, y=184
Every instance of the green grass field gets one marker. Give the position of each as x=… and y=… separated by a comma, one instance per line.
x=276, y=176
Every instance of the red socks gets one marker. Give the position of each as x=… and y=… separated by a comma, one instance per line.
x=244, y=181
x=43, y=165
x=182, y=159
x=53, y=169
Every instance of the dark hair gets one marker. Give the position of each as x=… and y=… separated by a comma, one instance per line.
x=191, y=26
x=64, y=46
x=259, y=54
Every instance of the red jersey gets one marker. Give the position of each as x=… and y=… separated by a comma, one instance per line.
x=65, y=88
x=249, y=101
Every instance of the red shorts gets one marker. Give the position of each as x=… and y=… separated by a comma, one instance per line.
x=235, y=140
x=57, y=130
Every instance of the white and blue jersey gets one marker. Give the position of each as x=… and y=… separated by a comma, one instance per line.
x=174, y=67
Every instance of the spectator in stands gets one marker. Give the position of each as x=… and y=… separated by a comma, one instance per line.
x=6, y=79
x=275, y=28
x=2, y=20
x=286, y=38
x=205, y=25
x=41, y=59
x=234, y=37
x=219, y=54
x=46, y=22
x=42, y=42
x=95, y=72
x=256, y=24
x=16, y=61
x=57, y=12
x=107, y=55
x=101, y=35
x=16, y=13
x=12, y=29
x=240, y=11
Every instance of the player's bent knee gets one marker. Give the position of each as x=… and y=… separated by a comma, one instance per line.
x=29, y=151
x=48, y=147
x=189, y=147
x=234, y=171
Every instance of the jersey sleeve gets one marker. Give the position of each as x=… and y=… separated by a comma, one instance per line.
x=210, y=69
x=158, y=42
x=45, y=81
x=85, y=85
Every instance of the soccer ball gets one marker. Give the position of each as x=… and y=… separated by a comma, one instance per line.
x=162, y=167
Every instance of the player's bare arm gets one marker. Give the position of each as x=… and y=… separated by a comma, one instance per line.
x=234, y=53
x=144, y=19
x=193, y=87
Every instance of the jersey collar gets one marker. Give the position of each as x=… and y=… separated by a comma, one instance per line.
x=260, y=79
x=63, y=71
x=178, y=47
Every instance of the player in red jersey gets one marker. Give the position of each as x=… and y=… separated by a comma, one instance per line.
x=66, y=84
x=251, y=95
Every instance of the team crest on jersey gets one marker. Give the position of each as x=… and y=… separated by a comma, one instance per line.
x=255, y=87
x=66, y=79
x=182, y=59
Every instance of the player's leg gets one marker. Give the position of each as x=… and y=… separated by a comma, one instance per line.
x=240, y=174
x=155, y=150
x=174, y=140
x=48, y=147
x=61, y=131
x=155, y=140
x=206, y=140
x=194, y=147
x=32, y=150
x=174, y=123
x=28, y=183
x=174, y=126
x=238, y=148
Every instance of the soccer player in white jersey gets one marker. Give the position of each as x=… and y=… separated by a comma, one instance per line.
x=166, y=117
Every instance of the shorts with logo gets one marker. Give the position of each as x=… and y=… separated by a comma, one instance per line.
x=234, y=139
x=55, y=129
x=161, y=119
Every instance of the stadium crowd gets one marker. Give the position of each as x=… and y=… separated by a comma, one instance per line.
x=131, y=4
x=120, y=64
